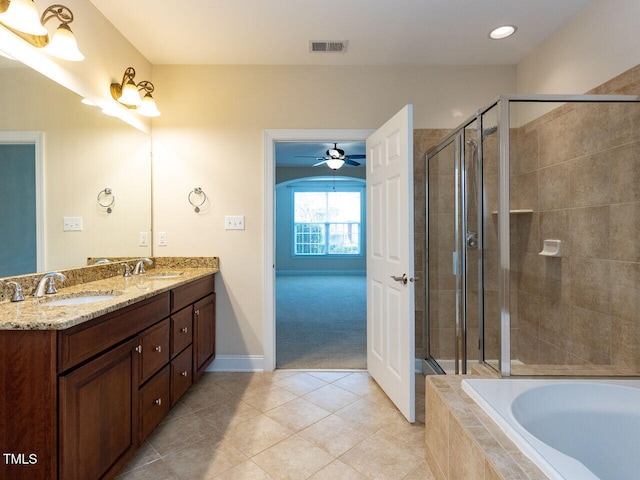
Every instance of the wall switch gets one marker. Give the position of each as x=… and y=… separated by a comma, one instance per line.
x=144, y=239
x=71, y=224
x=162, y=239
x=234, y=222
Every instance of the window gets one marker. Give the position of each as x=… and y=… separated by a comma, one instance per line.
x=327, y=222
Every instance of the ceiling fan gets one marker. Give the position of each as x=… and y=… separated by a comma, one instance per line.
x=336, y=157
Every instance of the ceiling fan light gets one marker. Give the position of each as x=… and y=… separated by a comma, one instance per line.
x=63, y=45
x=335, y=163
x=23, y=16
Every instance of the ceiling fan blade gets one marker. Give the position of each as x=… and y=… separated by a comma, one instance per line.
x=305, y=156
x=319, y=163
x=358, y=155
x=351, y=162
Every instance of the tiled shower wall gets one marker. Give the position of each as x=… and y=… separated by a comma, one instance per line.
x=578, y=168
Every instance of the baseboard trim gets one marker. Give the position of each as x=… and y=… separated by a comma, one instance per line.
x=319, y=272
x=237, y=363
x=255, y=363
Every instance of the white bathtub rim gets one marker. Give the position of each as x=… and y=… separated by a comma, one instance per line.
x=553, y=463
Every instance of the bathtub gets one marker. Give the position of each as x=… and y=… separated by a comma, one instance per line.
x=572, y=430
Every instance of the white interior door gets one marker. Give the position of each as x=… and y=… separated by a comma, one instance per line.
x=390, y=281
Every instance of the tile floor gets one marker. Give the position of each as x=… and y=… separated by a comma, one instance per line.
x=334, y=425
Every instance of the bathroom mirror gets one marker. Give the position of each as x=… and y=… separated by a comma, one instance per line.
x=84, y=152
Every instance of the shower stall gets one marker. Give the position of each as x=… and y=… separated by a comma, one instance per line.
x=533, y=238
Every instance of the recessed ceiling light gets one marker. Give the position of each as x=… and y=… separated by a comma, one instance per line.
x=502, y=32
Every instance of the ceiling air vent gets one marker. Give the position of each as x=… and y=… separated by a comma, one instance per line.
x=328, y=47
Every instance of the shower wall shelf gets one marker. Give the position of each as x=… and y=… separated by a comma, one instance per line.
x=515, y=212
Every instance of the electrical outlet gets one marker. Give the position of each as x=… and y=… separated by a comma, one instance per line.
x=234, y=222
x=162, y=239
x=144, y=239
x=71, y=224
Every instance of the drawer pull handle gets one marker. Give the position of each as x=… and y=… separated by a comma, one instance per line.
x=158, y=401
x=184, y=374
x=158, y=349
x=138, y=349
x=184, y=329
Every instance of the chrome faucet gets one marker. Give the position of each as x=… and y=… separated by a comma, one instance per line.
x=139, y=268
x=47, y=281
x=17, y=296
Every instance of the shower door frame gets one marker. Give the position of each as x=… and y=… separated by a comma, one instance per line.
x=502, y=103
x=459, y=256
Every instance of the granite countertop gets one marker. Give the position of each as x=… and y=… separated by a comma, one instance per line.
x=34, y=314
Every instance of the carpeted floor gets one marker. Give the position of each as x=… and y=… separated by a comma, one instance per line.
x=321, y=321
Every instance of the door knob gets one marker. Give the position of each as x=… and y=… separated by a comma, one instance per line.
x=403, y=279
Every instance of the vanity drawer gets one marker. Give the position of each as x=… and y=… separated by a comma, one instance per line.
x=155, y=349
x=190, y=293
x=181, y=330
x=181, y=374
x=80, y=343
x=154, y=402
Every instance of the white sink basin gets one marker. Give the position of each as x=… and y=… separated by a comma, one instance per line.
x=160, y=275
x=78, y=299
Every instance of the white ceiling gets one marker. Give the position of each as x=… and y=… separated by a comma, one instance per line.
x=379, y=32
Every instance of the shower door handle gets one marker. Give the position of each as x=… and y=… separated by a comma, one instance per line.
x=403, y=279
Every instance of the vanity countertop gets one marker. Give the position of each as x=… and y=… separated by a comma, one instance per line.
x=33, y=314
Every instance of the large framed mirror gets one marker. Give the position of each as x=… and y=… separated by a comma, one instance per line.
x=53, y=208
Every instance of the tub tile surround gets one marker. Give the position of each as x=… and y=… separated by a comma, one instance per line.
x=97, y=279
x=462, y=442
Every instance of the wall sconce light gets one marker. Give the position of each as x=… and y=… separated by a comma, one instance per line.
x=21, y=17
x=128, y=94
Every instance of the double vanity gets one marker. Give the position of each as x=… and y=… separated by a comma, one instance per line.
x=87, y=373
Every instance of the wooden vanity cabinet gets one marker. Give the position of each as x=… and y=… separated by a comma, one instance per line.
x=78, y=402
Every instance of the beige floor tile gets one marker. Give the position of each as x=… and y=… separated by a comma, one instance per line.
x=264, y=399
x=154, y=471
x=202, y=396
x=241, y=383
x=334, y=434
x=221, y=418
x=331, y=398
x=245, y=471
x=293, y=459
x=337, y=471
x=204, y=460
x=421, y=472
x=359, y=383
x=257, y=434
x=180, y=433
x=330, y=376
x=369, y=415
x=145, y=455
x=297, y=414
x=380, y=458
x=177, y=411
x=301, y=383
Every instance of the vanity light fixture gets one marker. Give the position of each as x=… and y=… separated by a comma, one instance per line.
x=502, y=32
x=21, y=17
x=128, y=94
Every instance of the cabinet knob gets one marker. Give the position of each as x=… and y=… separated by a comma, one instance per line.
x=158, y=401
x=185, y=374
x=197, y=312
x=138, y=349
x=158, y=348
x=184, y=329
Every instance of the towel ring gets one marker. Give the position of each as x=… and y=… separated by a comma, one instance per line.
x=103, y=199
x=197, y=191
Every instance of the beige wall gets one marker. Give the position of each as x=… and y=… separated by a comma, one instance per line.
x=210, y=135
x=598, y=44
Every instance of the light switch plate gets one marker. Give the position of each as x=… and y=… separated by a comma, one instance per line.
x=144, y=239
x=234, y=222
x=71, y=224
x=162, y=239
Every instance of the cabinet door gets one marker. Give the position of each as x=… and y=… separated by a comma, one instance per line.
x=155, y=349
x=98, y=414
x=204, y=340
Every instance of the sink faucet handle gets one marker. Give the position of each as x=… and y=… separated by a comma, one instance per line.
x=17, y=296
